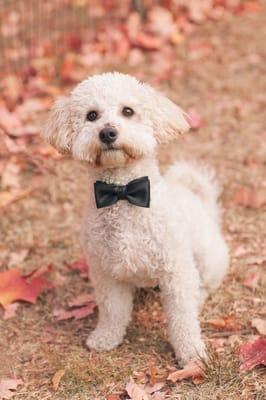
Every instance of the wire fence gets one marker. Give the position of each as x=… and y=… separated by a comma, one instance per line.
x=55, y=24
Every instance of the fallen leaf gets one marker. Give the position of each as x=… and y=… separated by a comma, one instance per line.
x=81, y=300
x=113, y=397
x=7, y=387
x=77, y=313
x=136, y=392
x=228, y=323
x=10, y=311
x=161, y=22
x=250, y=197
x=251, y=280
x=81, y=266
x=252, y=354
x=252, y=6
x=191, y=370
x=17, y=257
x=57, y=378
x=158, y=396
x=260, y=325
x=11, y=175
x=148, y=42
x=15, y=287
x=194, y=119
x=154, y=388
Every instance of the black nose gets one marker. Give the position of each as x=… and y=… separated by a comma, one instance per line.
x=108, y=135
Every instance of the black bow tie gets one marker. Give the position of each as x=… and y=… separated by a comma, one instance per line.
x=136, y=192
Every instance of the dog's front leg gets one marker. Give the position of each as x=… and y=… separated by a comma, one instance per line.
x=180, y=295
x=114, y=301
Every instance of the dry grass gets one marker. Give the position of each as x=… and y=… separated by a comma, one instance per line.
x=34, y=346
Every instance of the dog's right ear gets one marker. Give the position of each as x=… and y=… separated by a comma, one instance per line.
x=58, y=129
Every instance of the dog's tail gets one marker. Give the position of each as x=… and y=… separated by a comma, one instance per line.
x=200, y=180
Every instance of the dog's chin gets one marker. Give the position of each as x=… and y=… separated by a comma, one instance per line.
x=113, y=158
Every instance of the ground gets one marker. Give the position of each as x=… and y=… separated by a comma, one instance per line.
x=226, y=84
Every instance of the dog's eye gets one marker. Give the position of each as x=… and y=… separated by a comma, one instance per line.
x=92, y=115
x=127, y=112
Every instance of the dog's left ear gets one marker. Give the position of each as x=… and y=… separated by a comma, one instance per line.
x=169, y=120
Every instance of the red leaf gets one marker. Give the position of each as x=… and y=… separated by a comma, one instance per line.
x=113, y=397
x=15, y=287
x=81, y=266
x=252, y=354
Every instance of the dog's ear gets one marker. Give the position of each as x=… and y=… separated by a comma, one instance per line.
x=58, y=130
x=169, y=120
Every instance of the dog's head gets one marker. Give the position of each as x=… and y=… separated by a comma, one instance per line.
x=113, y=119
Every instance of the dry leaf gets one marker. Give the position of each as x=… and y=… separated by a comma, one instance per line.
x=7, y=387
x=81, y=300
x=227, y=323
x=10, y=311
x=191, y=370
x=251, y=280
x=77, y=313
x=15, y=287
x=81, y=266
x=252, y=354
x=136, y=392
x=250, y=197
x=57, y=378
x=260, y=325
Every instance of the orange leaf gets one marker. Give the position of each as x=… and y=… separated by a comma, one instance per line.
x=250, y=197
x=15, y=287
x=113, y=397
x=191, y=370
x=57, y=378
x=252, y=354
x=225, y=323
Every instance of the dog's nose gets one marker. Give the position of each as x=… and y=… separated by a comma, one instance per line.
x=108, y=135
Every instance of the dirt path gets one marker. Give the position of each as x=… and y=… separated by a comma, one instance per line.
x=221, y=74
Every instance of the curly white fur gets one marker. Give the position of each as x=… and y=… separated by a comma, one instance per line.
x=176, y=243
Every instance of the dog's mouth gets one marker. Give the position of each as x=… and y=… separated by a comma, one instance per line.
x=112, y=156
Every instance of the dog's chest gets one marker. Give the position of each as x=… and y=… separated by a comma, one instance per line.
x=126, y=241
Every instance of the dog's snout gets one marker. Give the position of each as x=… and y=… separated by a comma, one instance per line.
x=108, y=135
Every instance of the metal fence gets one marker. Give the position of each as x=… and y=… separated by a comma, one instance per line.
x=25, y=24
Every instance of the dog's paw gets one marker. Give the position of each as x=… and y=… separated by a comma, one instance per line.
x=103, y=341
x=191, y=353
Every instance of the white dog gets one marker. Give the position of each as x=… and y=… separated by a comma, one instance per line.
x=161, y=230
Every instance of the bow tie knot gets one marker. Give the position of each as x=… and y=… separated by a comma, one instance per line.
x=121, y=192
x=136, y=192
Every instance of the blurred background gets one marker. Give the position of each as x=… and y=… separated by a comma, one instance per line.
x=208, y=56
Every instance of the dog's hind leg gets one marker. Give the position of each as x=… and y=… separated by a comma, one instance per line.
x=114, y=301
x=212, y=260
